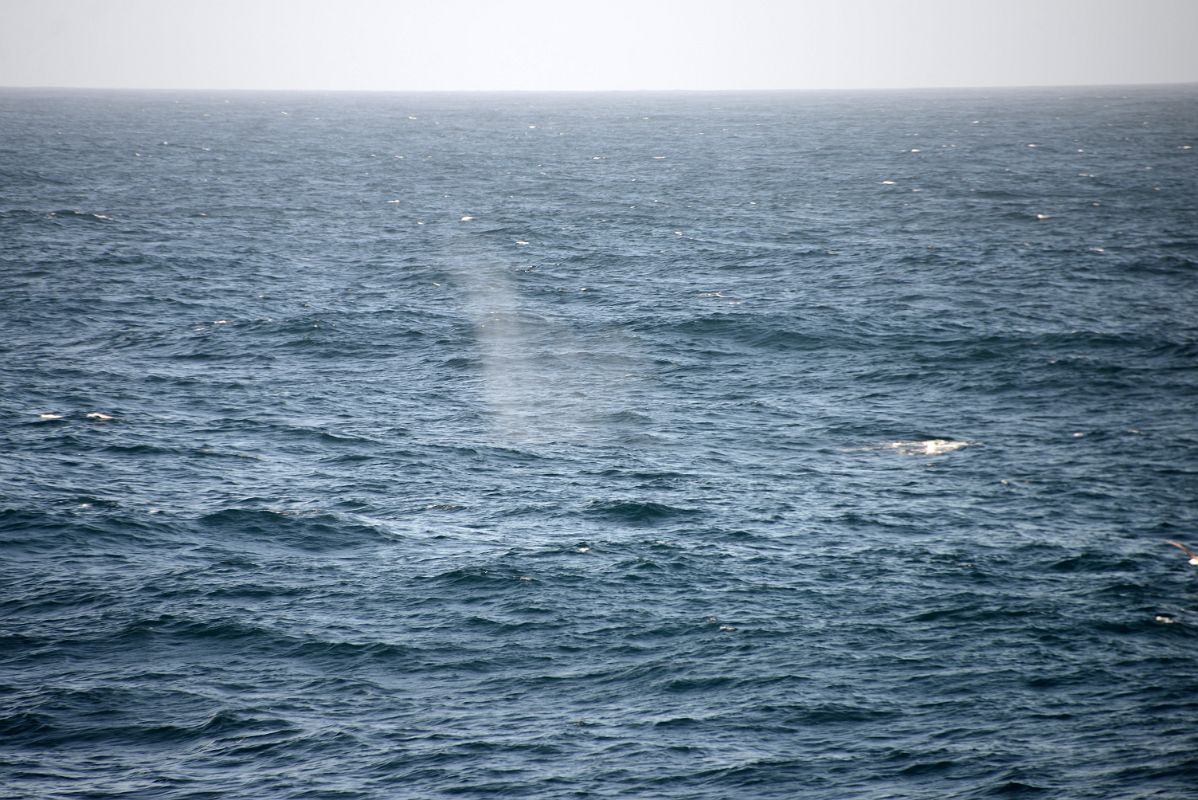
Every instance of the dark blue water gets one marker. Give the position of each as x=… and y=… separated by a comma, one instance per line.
x=582, y=446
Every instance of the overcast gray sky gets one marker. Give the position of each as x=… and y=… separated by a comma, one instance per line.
x=594, y=44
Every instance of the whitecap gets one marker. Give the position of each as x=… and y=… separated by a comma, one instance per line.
x=467, y=218
x=927, y=447
x=48, y=415
x=98, y=415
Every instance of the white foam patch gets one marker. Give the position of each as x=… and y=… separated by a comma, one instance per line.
x=927, y=447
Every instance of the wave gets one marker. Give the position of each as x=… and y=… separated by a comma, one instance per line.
x=750, y=330
x=81, y=523
x=102, y=715
x=301, y=530
x=638, y=512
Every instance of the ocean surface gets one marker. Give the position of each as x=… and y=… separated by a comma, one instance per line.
x=599, y=446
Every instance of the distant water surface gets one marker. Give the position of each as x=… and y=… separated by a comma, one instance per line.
x=599, y=446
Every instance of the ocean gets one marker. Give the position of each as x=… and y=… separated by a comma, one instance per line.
x=796, y=445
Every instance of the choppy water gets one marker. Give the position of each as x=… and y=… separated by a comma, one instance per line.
x=693, y=446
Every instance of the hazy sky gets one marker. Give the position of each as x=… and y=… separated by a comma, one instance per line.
x=593, y=44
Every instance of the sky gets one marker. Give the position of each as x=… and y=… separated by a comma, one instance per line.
x=588, y=45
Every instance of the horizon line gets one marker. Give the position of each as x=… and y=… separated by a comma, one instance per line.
x=744, y=90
